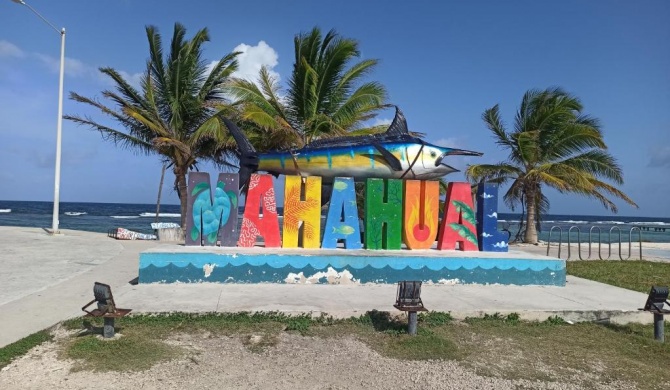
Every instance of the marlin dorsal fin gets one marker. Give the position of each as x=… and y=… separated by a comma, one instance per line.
x=399, y=124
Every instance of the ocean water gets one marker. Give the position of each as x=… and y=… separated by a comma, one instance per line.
x=101, y=217
x=92, y=217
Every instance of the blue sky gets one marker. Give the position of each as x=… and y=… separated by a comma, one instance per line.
x=443, y=63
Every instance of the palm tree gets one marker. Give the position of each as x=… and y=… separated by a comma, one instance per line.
x=325, y=97
x=177, y=113
x=553, y=144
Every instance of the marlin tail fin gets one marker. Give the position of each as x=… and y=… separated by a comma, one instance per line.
x=248, y=155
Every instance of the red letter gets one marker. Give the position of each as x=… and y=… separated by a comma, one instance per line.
x=458, y=223
x=260, y=189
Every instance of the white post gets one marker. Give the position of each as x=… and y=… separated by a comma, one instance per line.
x=59, y=131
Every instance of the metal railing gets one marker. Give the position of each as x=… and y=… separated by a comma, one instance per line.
x=571, y=229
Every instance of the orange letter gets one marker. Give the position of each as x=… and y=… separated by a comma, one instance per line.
x=420, y=213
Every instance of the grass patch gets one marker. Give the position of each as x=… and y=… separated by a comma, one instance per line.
x=21, y=347
x=495, y=319
x=434, y=318
x=132, y=352
x=142, y=344
x=637, y=275
x=583, y=354
x=427, y=344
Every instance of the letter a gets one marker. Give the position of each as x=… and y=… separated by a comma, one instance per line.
x=342, y=220
x=307, y=211
x=458, y=223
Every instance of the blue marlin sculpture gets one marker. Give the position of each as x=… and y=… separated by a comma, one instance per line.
x=394, y=154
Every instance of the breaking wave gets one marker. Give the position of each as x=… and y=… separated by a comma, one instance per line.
x=167, y=215
x=75, y=213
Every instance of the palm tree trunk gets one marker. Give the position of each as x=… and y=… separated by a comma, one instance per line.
x=182, y=192
x=160, y=191
x=531, y=207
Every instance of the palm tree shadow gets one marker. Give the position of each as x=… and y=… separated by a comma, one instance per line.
x=382, y=321
x=623, y=329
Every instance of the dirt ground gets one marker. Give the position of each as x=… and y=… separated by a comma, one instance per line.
x=296, y=362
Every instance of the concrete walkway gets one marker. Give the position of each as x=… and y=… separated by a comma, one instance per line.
x=46, y=279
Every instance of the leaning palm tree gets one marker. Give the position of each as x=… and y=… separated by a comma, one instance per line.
x=326, y=95
x=553, y=144
x=176, y=113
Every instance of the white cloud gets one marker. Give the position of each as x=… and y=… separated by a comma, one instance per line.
x=448, y=143
x=251, y=59
x=73, y=67
x=134, y=79
x=660, y=157
x=77, y=68
x=381, y=122
x=8, y=49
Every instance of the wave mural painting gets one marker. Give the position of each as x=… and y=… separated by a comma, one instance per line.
x=398, y=235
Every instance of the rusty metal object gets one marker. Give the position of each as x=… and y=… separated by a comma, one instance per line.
x=658, y=297
x=408, y=298
x=106, y=308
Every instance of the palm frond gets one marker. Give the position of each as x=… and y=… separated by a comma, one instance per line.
x=119, y=138
x=496, y=173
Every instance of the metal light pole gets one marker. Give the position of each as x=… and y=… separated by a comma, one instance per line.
x=54, y=221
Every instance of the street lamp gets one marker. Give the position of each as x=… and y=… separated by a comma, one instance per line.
x=54, y=221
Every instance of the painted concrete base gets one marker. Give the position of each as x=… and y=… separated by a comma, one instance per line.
x=171, y=264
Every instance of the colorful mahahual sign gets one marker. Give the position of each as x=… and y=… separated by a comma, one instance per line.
x=395, y=212
x=401, y=197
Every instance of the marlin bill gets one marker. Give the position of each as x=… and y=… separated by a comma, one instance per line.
x=394, y=154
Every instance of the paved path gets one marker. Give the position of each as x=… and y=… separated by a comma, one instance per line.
x=46, y=279
x=580, y=300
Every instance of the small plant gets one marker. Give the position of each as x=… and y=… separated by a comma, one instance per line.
x=299, y=323
x=554, y=320
x=435, y=318
x=493, y=317
x=512, y=319
x=364, y=319
x=395, y=332
x=324, y=320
